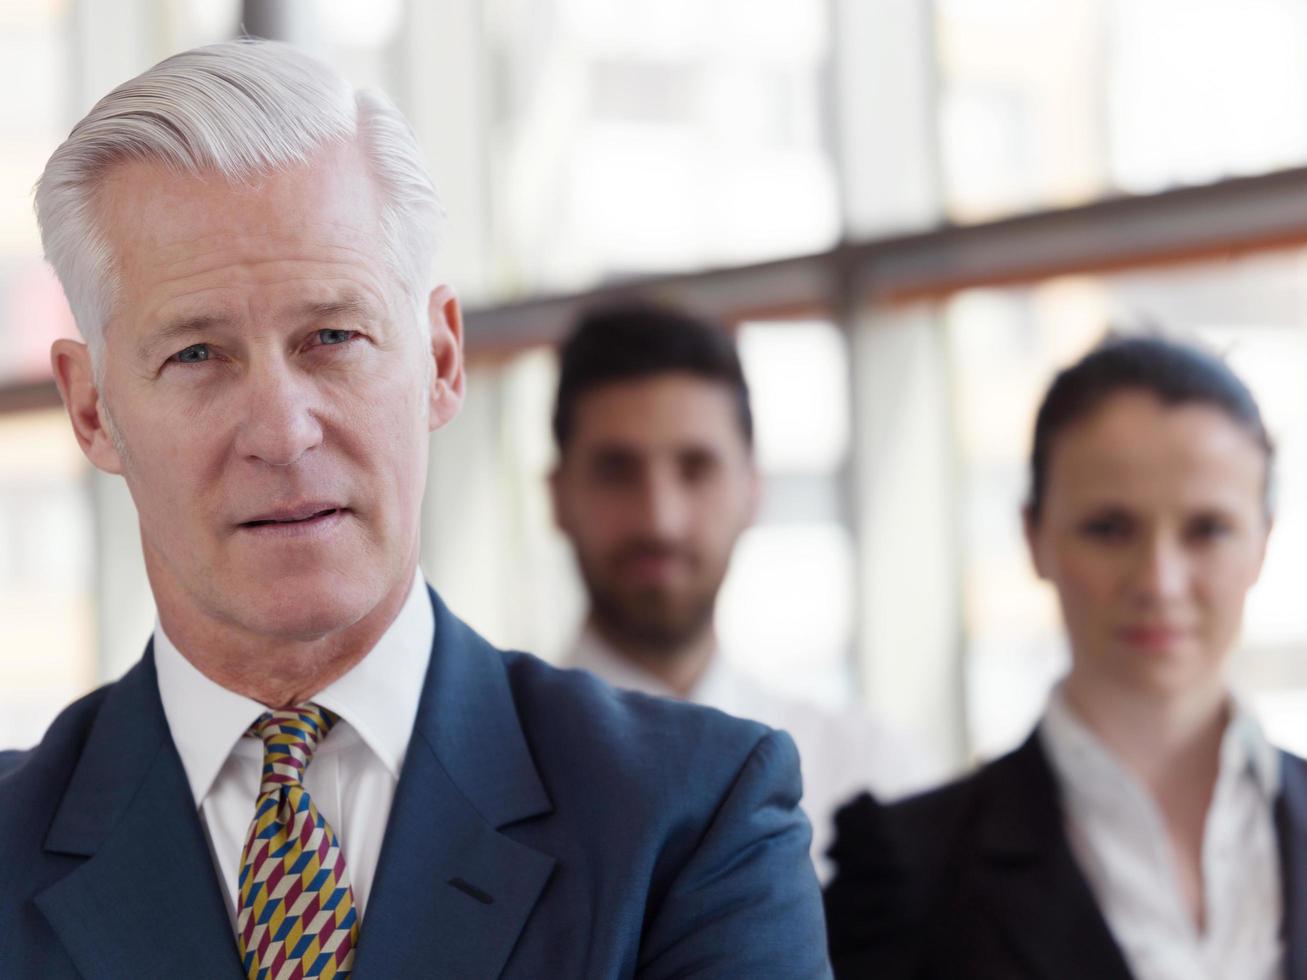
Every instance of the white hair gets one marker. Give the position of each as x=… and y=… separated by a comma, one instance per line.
x=239, y=109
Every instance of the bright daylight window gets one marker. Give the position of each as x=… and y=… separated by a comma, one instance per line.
x=654, y=136
x=786, y=610
x=47, y=606
x=34, y=67
x=1051, y=104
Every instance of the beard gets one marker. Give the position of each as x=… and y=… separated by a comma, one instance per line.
x=654, y=619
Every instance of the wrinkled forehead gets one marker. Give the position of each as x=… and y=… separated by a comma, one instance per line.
x=172, y=235
x=148, y=212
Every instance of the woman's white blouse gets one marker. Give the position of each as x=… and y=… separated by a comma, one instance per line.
x=1118, y=838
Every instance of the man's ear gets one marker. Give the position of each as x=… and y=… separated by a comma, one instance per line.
x=445, y=321
x=71, y=362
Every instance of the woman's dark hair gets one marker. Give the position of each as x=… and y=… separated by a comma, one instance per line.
x=632, y=341
x=1175, y=372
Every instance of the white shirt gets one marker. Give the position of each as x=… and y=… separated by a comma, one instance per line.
x=841, y=753
x=353, y=773
x=1120, y=842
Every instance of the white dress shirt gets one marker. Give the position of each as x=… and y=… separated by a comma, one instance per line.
x=353, y=773
x=841, y=753
x=1119, y=840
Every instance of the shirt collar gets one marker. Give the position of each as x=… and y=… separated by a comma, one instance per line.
x=1076, y=752
x=592, y=653
x=378, y=698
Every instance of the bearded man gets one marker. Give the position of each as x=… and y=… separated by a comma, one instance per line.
x=655, y=483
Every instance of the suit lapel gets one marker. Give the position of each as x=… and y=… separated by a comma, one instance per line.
x=146, y=902
x=452, y=893
x=1291, y=828
x=1032, y=883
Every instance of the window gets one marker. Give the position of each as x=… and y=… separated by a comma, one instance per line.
x=47, y=600
x=786, y=609
x=1047, y=105
x=654, y=137
x=35, y=73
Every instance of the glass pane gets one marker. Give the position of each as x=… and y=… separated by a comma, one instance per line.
x=799, y=375
x=785, y=613
x=1019, y=104
x=360, y=41
x=1005, y=346
x=489, y=542
x=654, y=136
x=47, y=625
x=1047, y=104
x=1203, y=90
x=35, y=73
x=786, y=609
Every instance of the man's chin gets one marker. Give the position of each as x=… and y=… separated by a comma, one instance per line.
x=300, y=608
x=659, y=626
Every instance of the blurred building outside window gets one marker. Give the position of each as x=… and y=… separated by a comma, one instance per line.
x=786, y=609
x=654, y=136
x=47, y=580
x=35, y=105
x=1054, y=104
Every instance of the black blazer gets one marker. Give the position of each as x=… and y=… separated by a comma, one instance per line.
x=976, y=881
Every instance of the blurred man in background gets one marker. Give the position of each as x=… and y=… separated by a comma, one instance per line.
x=656, y=481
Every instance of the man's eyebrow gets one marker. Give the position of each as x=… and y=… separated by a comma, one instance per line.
x=349, y=306
x=173, y=331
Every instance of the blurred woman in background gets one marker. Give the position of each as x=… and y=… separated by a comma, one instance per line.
x=1146, y=829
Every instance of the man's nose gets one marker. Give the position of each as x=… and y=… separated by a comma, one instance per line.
x=665, y=505
x=279, y=424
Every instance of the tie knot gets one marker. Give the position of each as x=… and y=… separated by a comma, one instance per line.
x=290, y=736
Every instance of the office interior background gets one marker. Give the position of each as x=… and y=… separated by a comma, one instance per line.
x=910, y=211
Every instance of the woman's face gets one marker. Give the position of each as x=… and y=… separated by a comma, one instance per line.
x=1152, y=530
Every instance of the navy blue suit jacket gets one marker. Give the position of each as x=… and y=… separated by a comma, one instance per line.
x=977, y=881
x=543, y=826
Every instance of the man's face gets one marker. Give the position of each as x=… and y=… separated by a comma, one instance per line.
x=653, y=489
x=267, y=392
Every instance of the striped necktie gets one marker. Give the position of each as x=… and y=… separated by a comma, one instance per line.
x=297, y=917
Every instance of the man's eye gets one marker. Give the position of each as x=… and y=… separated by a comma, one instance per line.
x=193, y=354
x=329, y=337
x=1111, y=527
x=614, y=471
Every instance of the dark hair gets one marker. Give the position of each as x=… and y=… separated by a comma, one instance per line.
x=1175, y=372
x=637, y=340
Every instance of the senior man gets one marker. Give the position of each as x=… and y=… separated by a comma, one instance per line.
x=316, y=769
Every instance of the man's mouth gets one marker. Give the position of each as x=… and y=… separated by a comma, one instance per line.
x=294, y=515
x=653, y=564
